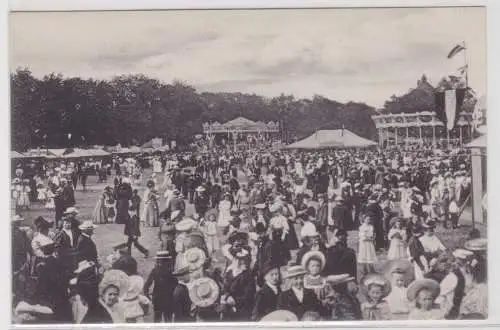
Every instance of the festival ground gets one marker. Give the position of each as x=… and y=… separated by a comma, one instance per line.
x=108, y=235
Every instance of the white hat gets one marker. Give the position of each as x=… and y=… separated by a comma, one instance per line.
x=308, y=230
x=462, y=254
x=87, y=224
x=281, y=315
x=71, y=210
x=82, y=265
x=185, y=224
x=204, y=292
x=24, y=307
x=17, y=218
x=195, y=258
x=135, y=285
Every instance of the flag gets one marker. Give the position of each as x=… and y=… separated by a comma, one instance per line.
x=463, y=69
x=448, y=105
x=457, y=49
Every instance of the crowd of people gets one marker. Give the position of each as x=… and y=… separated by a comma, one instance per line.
x=256, y=236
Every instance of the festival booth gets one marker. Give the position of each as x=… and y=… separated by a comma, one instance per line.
x=478, y=148
x=339, y=138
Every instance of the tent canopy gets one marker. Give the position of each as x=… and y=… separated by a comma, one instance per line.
x=16, y=155
x=337, y=138
x=480, y=142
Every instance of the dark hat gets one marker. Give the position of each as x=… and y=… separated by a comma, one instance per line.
x=41, y=223
x=237, y=235
x=341, y=232
x=260, y=228
x=311, y=211
x=268, y=266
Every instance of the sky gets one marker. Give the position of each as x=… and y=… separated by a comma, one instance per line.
x=361, y=55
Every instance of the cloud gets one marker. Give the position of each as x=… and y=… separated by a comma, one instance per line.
x=344, y=54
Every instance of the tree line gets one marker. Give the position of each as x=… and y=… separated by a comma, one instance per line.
x=57, y=111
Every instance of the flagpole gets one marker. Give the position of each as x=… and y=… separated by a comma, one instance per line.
x=466, y=67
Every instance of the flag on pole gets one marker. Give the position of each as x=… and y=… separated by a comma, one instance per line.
x=457, y=49
x=448, y=105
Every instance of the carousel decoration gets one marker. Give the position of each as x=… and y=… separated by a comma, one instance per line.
x=240, y=129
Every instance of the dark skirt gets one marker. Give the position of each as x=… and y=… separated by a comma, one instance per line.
x=291, y=239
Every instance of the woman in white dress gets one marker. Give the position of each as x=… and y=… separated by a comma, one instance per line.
x=367, y=256
x=397, y=237
x=224, y=212
x=149, y=207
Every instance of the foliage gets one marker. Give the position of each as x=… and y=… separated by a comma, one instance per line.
x=57, y=111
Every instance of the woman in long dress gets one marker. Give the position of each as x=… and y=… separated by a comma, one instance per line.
x=224, y=211
x=150, y=213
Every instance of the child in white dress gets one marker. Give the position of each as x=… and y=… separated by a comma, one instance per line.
x=397, y=237
x=41, y=193
x=398, y=299
x=209, y=228
x=367, y=256
x=224, y=212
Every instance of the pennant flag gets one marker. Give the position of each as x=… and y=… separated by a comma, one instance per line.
x=463, y=69
x=457, y=49
x=448, y=105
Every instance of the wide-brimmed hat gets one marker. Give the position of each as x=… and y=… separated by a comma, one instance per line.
x=71, y=210
x=41, y=223
x=163, y=254
x=116, y=278
x=308, y=230
x=376, y=279
x=24, y=307
x=294, y=271
x=135, y=286
x=280, y=315
x=181, y=271
x=194, y=257
x=462, y=254
x=477, y=244
x=185, y=224
x=82, y=265
x=87, y=224
x=237, y=235
x=418, y=285
x=204, y=292
x=403, y=267
x=260, y=206
x=333, y=280
x=17, y=218
x=316, y=255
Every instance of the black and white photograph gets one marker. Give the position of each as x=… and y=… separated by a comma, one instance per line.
x=248, y=165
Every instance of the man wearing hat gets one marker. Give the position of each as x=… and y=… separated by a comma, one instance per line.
x=342, y=215
x=177, y=203
x=20, y=257
x=85, y=245
x=164, y=285
x=298, y=299
x=340, y=258
x=266, y=299
x=181, y=301
x=376, y=213
x=202, y=200
x=453, y=286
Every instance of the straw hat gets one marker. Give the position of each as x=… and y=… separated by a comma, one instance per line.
x=376, y=279
x=17, y=218
x=82, y=265
x=185, y=224
x=24, y=307
x=116, y=278
x=204, y=292
x=316, y=255
x=419, y=285
x=195, y=257
x=71, y=210
x=164, y=254
x=280, y=316
x=308, y=230
x=87, y=224
x=462, y=254
x=339, y=279
x=477, y=244
x=294, y=271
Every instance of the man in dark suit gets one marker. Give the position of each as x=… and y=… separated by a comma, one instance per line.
x=85, y=246
x=266, y=299
x=342, y=215
x=65, y=245
x=322, y=216
x=341, y=259
x=298, y=299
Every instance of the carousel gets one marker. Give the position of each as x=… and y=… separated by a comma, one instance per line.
x=240, y=132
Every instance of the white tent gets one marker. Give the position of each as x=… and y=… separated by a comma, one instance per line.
x=480, y=142
x=338, y=138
